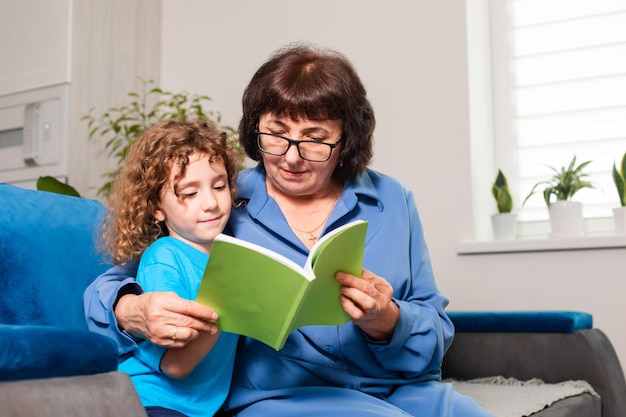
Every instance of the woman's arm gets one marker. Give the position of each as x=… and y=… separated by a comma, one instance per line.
x=115, y=306
x=99, y=300
x=407, y=330
x=423, y=331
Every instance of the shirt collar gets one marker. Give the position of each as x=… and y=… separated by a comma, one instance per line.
x=252, y=190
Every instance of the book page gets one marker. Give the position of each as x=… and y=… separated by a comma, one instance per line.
x=254, y=295
x=266, y=252
x=343, y=251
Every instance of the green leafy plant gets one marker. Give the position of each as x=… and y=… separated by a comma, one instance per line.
x=502, y=194
x=564, y=184
x=121, y=126
x=619, y=178
x=53, y=185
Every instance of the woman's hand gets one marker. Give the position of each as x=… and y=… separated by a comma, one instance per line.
x=164, y=318
x=367, y=300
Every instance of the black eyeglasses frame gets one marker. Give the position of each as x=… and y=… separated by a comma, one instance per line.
x=297, y=144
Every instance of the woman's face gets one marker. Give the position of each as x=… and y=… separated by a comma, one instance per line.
x=290, y=174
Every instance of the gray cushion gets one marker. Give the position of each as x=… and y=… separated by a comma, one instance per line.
x=102, y=395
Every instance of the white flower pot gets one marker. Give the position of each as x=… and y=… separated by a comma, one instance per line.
x=504, y=226
x=619, y=216
x=566, y=219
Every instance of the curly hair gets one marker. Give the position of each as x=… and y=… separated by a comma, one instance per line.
x=130, y=227
x=302, y=81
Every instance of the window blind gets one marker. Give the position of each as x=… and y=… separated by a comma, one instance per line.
x=566, y=65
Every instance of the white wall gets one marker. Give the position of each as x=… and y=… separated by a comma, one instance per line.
x=99, y=49
x=412, y=57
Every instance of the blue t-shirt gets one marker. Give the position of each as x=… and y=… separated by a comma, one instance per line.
x=171, y=265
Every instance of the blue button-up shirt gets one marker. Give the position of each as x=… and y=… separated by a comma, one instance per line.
x=343, y=355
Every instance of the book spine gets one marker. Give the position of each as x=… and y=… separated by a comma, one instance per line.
x=290, y=324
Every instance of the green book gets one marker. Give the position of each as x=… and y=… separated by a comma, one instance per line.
x=264, y=295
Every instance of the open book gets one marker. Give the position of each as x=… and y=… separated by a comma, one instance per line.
x=264, y=295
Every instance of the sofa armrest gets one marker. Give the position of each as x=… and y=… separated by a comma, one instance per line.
x=101, y=395
x=555, y=321
x=553, y=357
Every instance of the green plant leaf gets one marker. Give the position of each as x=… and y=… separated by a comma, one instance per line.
x=579, y=168
x=501, y=193
x=53, y=185
x=501, y=180
x=547, y=193
x=618, y=179
x=505, y=201
x=534, y=190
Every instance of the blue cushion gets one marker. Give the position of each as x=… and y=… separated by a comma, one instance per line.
x=48, y=256
x=29, y=352
x=520, y=321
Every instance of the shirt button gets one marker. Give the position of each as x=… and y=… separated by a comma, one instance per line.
x=330, y=348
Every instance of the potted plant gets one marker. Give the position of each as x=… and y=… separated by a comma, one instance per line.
x=504, y=222
x=619, y=213
x=119, y=127
x=566, y=216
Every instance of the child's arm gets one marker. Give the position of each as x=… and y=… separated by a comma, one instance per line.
x=179, y=362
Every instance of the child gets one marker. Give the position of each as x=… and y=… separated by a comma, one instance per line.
x=170, y=199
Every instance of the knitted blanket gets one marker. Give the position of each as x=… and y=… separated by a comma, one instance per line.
x=509, y=397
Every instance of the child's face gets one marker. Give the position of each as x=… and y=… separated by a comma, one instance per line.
x=202, y=207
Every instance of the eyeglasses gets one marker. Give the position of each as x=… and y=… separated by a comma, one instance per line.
x=310, y=150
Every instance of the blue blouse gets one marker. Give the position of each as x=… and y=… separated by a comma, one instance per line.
x=343, y=355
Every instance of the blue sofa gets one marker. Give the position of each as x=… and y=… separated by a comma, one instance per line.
x=50, y=364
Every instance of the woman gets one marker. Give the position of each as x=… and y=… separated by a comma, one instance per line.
x=307, y=120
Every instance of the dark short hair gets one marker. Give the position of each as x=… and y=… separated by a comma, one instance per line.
x=302, y=81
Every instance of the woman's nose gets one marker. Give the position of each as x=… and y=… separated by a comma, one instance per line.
x=293, y=153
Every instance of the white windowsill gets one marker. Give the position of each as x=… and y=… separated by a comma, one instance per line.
x=542, y=244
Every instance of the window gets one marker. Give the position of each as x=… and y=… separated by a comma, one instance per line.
x=559, y=90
